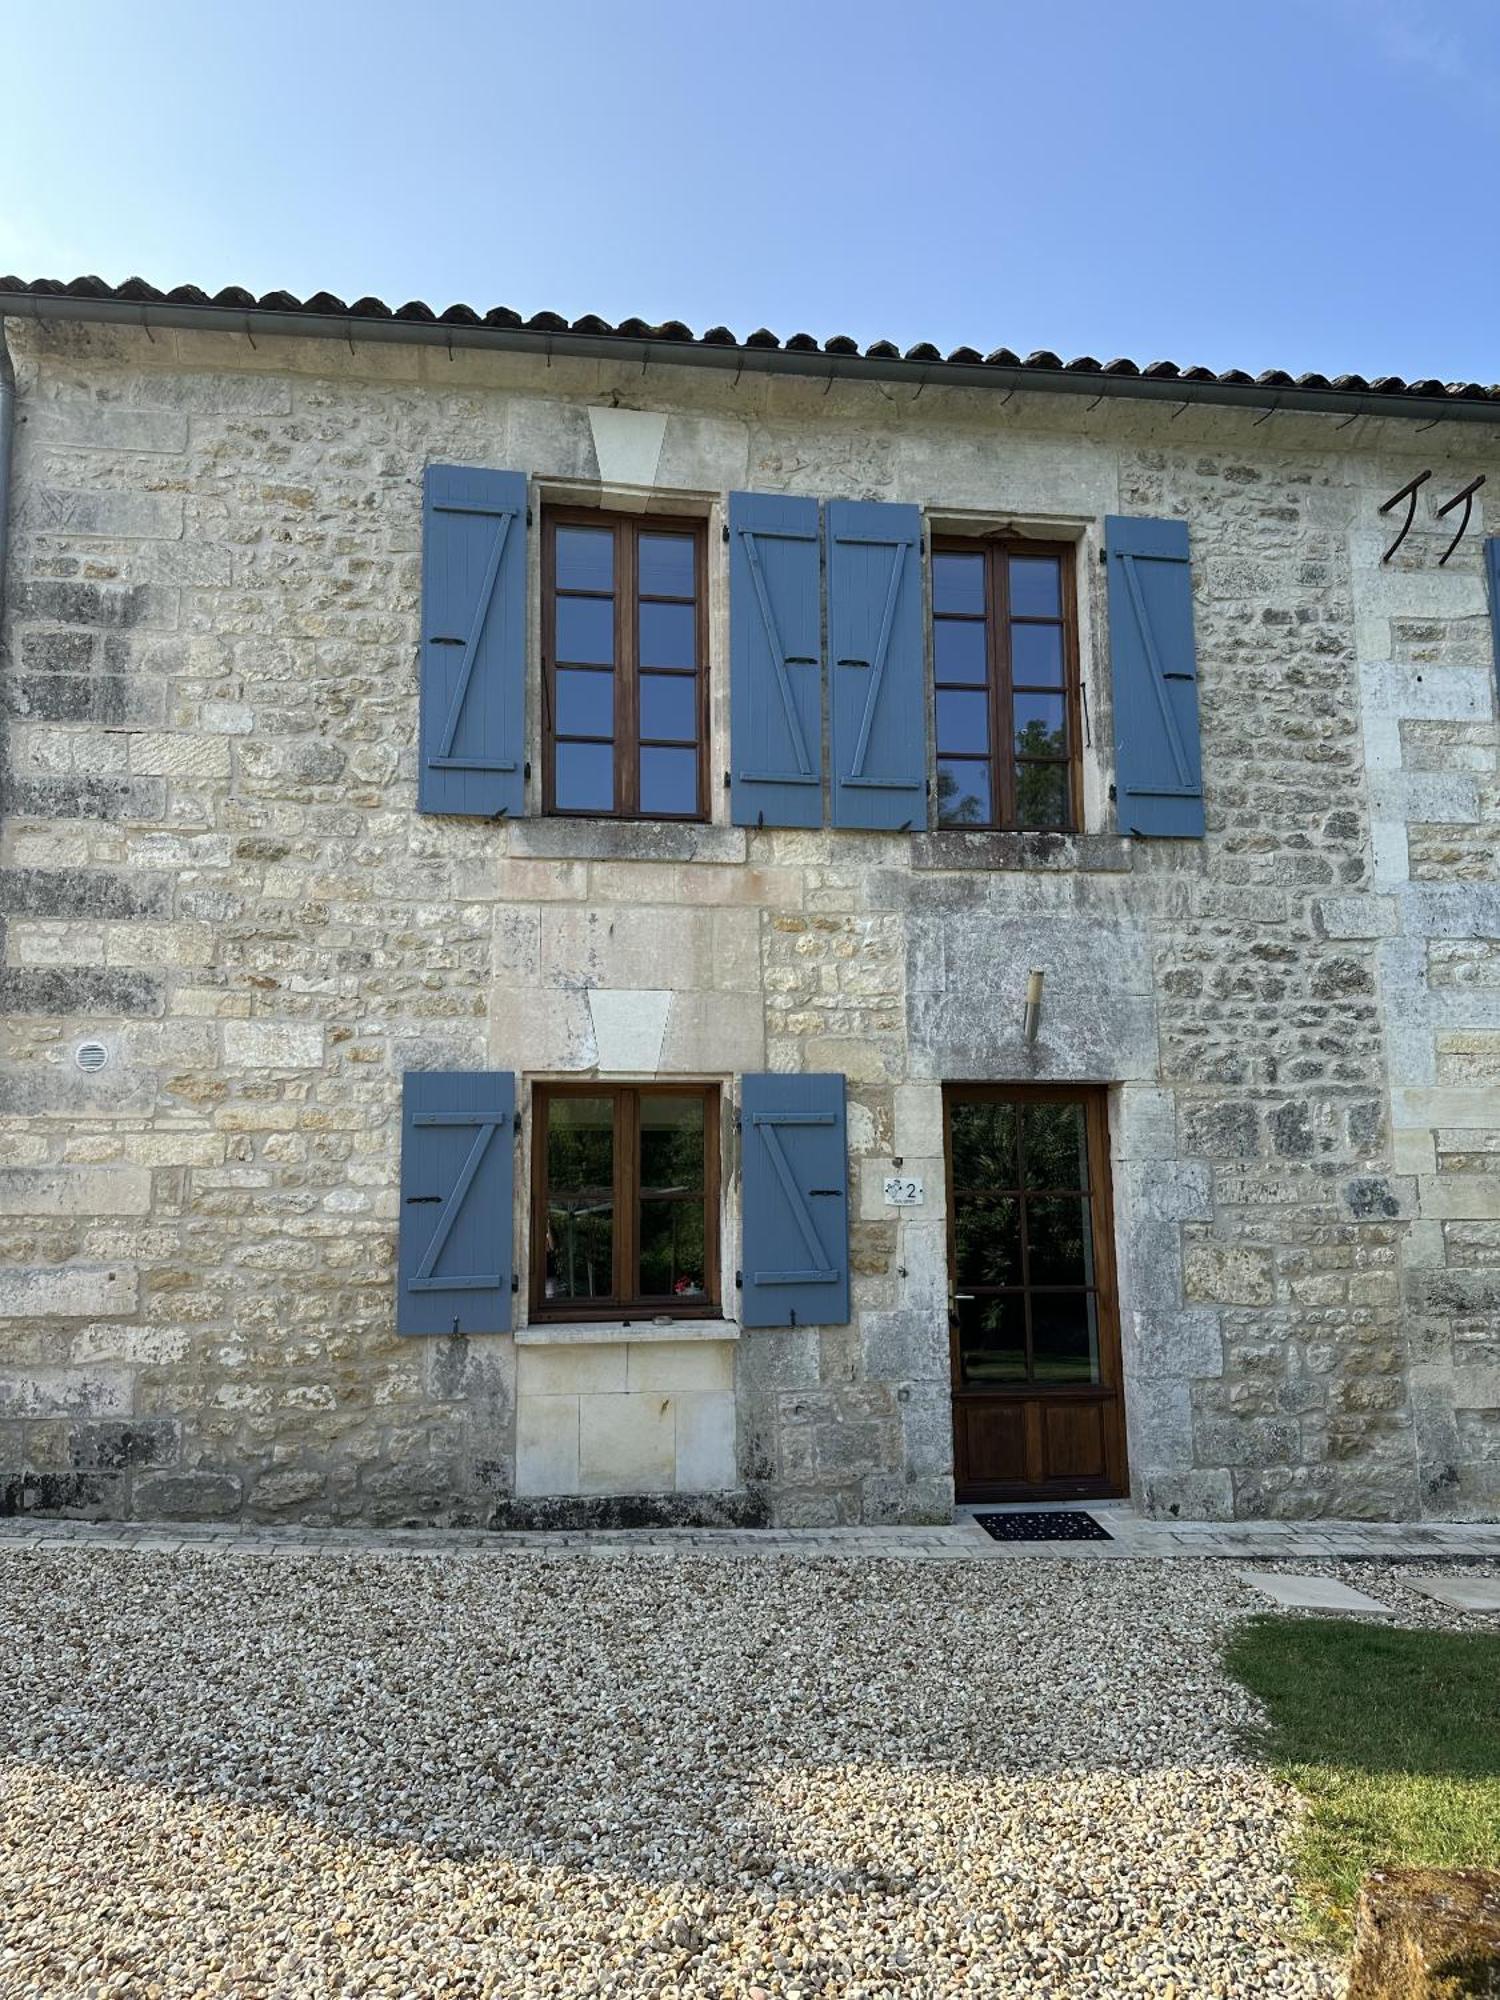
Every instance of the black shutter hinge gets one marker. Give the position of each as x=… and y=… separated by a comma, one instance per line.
x=529, y=518
x=526, y=771
x=1104, y=555
x=724, y=531
x=515, y=1282
x=726, y=781
x=518, y=1121
x=739, y=1281
x=1113, y=794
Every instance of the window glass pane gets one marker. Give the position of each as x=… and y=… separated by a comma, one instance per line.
x=992, y=1340
x=1057, y=1149
x=986, y=1241
x=1035, y=587
x=669, y=635
x=1064, y=1337
x=958, y=583
x=669, y=707
x=585, y=777
x=671, y=1145
x=580, y=1198
x=963, y=794
x=958, y=652
x=1041, y=726
x=585, y=559
x=1036, y=655
x=963, y=720
x=983, y=1136
x=1059, y=1243
x=664, y=566
x=585, y=704
x=672, y=1264
x=1042, y=795
x=586, y=630
x=669, y=781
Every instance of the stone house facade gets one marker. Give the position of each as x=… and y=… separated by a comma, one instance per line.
x=256, y=900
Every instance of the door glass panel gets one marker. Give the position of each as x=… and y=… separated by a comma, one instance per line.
x=669, y=781
x=963, y=793
x=585, y=559
x=669, y=707
x=586, y=631
x=1036, y=656
x=1058, y=1246
x=585, y=703
x=992, y=1341
x=1035, y=587
x=958, y=583
x=580, y=1198
x=986, y=1241
x=1064, y=1337
x=585, y=777
x=958, y=652
x=984, y=1145
x=1057, y=1151
x=665, y=566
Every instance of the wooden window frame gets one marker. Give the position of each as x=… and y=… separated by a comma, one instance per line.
x=624, y=1305
x=626, y=530
x=999, y=681
x=1095, y=1101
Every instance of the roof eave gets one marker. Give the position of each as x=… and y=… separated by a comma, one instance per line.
x=351, y=328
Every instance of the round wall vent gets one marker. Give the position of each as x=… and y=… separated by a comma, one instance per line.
x=91, y=1056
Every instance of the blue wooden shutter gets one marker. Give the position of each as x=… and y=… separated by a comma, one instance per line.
x=1492, y=569
x=794, y=1167
x=473, y=641
x=457, y=1182
x=775, y=662
x=877, y=698
x=1154, y=668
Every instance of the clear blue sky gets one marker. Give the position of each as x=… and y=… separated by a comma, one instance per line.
x=1252, y=183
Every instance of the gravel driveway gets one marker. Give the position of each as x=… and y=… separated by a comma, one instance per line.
x=523, y=1775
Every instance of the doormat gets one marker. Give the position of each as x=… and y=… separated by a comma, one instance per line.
x=1063, y=1527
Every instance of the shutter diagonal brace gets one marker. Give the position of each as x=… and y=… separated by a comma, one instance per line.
x=1159, y=674
x=765, y=1123
x=882, y=649
x=780, y=661
x=445, y=760
x=422, y=1280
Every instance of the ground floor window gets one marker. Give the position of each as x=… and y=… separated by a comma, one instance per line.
x=625, y=1200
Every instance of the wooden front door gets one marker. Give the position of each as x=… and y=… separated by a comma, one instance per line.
x=1035, y=1323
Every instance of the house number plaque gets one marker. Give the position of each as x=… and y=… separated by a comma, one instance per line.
x=904, y=1191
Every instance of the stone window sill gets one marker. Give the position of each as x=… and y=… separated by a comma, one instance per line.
x=610, y=1333
x=626, y=840
x=1088, y=853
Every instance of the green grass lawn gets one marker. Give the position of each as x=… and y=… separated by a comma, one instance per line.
x=1394, y=1738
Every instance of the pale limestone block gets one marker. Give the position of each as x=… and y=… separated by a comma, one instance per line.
x=629, y=1029
x=546, y=1445
x=1390, y=853
x=167, y=1148
x=1357, y=916
x=66, y=1392
x=919, y=1120
x=54, y=944
x=676, y=1365
x=1460, y=1198
x=598, y=946
x=1414, y=1152
x=626, y=1444
x=149, y=945
x=1426, y=1247
x=157, y=754
x=710, y=1034
x=273, y=1045
x=1466, y=1108
x=522, y=881
x=627, y=445
x=734, y=956
x=705, y=1443
x=75, y=1191
x=68, y=1291
x=570, y=1370
x=542, y=1032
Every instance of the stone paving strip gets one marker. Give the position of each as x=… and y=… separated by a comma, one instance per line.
x=1131, y=1540
x=1313, y=1593
x=748, y=1780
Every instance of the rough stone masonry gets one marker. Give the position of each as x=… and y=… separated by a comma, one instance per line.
x=214, y=868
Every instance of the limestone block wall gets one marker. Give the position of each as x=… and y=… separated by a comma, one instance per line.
x=213, y=865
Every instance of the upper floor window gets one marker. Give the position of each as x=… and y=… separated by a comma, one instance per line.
x=1005, y=669
x=624, y=687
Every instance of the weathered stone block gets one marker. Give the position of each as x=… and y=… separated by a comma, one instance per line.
x=68, y=1291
